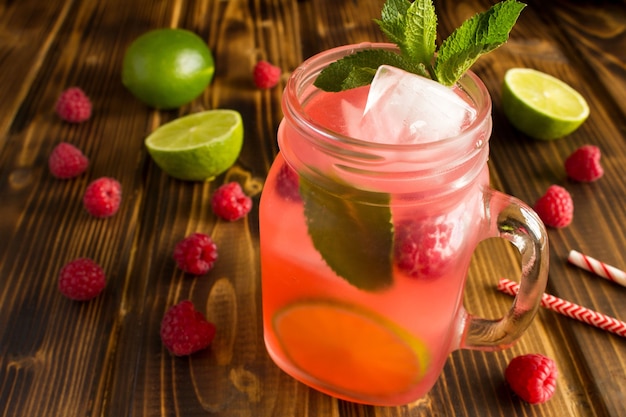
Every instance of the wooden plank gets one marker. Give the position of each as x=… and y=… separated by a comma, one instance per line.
x=27, y=32
x=59, y=365
x=598, y=45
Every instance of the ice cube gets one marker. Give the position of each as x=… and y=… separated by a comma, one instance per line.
x=406, y=108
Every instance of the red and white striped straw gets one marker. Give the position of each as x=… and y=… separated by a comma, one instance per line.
x=569, y=309
x=599, y=268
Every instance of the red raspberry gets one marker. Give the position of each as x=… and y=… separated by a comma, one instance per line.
x=230, y=203
x=102, y=197
x=287, y=183
x=184, y=330
x=584, y=164
x=67, y=161
x=532, y=377
x=81, y=279
x=555, y=208
x=422, y=249
x=73, y=105
x=266, y=75
x=196, y=254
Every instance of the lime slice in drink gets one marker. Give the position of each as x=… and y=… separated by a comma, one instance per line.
x=350, y=349
x=541, y=105
x=197, y=147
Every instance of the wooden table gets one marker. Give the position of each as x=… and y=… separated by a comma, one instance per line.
x=105, y=358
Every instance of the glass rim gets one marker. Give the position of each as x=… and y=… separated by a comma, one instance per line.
x=304, y=76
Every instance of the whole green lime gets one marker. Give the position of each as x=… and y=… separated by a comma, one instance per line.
x=167, y=68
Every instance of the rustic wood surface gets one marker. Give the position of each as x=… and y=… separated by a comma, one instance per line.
x=105, y=358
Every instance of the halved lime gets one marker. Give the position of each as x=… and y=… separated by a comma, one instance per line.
x=541, y=105
x=197, y=147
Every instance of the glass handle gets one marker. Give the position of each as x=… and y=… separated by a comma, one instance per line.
x=514, y=221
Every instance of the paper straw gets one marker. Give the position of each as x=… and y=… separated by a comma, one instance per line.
x=599, y=268
x=569, y=309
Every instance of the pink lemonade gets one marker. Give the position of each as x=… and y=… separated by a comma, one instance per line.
x=384, y=346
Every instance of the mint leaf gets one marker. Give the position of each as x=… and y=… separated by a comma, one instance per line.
x=420, y=32
x=477, y=36
x=393, y=20
x=358, y=77
x=359, y=69
x=413, y=27
x=355, y=239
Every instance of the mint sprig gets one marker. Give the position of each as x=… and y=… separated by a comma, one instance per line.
x=413, y=27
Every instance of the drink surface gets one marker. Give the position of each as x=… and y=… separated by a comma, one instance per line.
x=386, y=346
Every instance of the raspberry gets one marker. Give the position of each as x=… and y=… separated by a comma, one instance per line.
x=73, y=105
x=81, y=279
x=184, y=330
x=584, y=164
x=102, y=197
x=266, y=75
x=196, y=254
x=287, y=183
x=532, y=377
x=555, y=208
x=67, y=161
x=422, y=249
x=230, y=203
